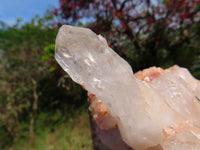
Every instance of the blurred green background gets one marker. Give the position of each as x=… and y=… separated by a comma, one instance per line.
x=40, y=106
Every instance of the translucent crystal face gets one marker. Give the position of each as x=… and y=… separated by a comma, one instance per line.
x=80, y=52
x=143, y=112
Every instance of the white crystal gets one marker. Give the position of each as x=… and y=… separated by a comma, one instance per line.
x=142, y=111
x=181, y=91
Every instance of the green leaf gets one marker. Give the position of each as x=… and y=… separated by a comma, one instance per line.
x=51, y=69
x=45, y=58
x=165, y=1
x=80, y=24
x=197, y=8
x=50, y=48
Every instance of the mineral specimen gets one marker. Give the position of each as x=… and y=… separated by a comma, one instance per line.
x=156, y=109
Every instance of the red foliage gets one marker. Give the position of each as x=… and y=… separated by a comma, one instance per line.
x=73, y=9
x=56, y=11
x=110, y=45
x=184, y=16
x=174, y=11
x=157, y=42
x=123, y=25
x=129, y=18
x=56, y=66
x=150, y=21
x=48, y=62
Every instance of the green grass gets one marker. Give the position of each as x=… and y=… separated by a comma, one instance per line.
x=71, y=135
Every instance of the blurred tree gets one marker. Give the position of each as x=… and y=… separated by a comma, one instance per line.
x=145, y=32
x=22, y=47
x=32, y=84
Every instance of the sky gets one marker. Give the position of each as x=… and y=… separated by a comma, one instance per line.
x=10, y=10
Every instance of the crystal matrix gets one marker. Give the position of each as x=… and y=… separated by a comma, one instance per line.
x=163, y=111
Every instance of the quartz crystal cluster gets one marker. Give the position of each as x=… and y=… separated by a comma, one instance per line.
x=153, y=109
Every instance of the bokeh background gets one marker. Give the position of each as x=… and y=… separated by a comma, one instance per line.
x=40, y=107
